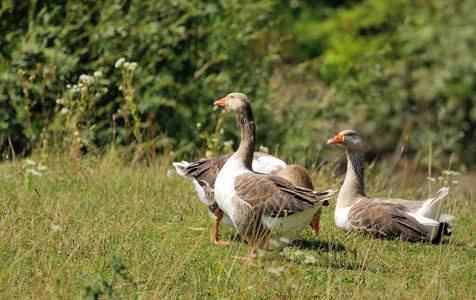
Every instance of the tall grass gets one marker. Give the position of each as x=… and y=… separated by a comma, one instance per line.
x=102, y=228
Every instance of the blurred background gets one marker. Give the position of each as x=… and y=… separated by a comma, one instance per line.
x=140, y=78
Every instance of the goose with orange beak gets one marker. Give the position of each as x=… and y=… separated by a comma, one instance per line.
x=384, y=217
x=268, y=211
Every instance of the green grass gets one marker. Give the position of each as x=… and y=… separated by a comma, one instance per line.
x=100, y=227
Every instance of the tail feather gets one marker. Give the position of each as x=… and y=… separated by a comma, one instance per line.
x=433, y=207
x=444, y=218
x=180, y=167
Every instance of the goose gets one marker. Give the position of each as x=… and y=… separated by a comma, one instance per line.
x=204, y=172
x=203, y=175
x=381, y=217
x=267, y=210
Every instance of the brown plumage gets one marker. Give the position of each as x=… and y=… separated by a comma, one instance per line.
x=260, y=204
x=385, y=219
x=389, y=218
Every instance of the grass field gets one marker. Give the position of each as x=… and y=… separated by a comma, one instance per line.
x=98, y=227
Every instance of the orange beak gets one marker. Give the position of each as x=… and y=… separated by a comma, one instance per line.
x=221, y=102
x=337, y=140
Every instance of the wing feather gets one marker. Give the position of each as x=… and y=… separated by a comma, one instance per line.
x=385, y=219
x=273, y=195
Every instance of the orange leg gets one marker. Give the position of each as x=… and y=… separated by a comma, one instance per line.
x=214, y=232
x=253, y=252
x=315, y=225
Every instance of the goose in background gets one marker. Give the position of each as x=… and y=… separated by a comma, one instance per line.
x=384, y=217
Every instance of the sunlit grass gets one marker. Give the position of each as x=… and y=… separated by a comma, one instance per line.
x=101, y=227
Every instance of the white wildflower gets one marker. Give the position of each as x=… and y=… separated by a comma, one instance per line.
x=97, y=95
x=34, y=172
x=440, y=178
x=199, y=125
x=260, y=252
x=250, y=287
x=298, y=252
x=228, y=143
x=451, y=173
x=97, y=74
x=273, y=242
x=64, y=111
x=68, y=86
x=170, y=173
x=30, y=162
x=171, y=153
x=209, y=154
x=455, y=181
x=263, y=149
x=86, y=79
x=310, y=259
x=431, y=179
x=56, y=228
x=119, y=62
x=83, y=89
x=126, y=65
x=275, y=271
x=132, y=66
x=60, y=101
x=121, y=87
x=285, y=240
x=42, y=167
x=76, y=133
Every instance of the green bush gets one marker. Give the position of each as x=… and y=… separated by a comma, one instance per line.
x=393, y=70
x=189, y=53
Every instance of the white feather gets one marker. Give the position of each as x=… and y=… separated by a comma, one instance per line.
x=429, y=224
x=433, y=207
x=268, y=164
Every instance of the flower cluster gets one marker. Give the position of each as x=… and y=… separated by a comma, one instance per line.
x=86, y=79
x=446, y=178
x=76, y=88
x=121, y=62
x=35, y=168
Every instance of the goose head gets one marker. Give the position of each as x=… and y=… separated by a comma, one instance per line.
x=237, y=102
x=348, y=139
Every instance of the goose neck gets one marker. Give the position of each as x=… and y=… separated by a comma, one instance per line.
x=353, y=186
x=248, y=138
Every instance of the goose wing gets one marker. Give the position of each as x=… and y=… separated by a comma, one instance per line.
x=274, y=196
x=386, y=219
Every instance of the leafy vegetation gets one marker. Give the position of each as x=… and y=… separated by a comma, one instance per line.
x=401, y=71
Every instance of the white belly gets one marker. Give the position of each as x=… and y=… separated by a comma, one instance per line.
x=225, y=185
x=340, y=217
x=287, y=229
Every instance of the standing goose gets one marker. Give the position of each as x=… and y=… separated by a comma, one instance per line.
x=267, y=210
x=204, y=173
x=388, y=218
